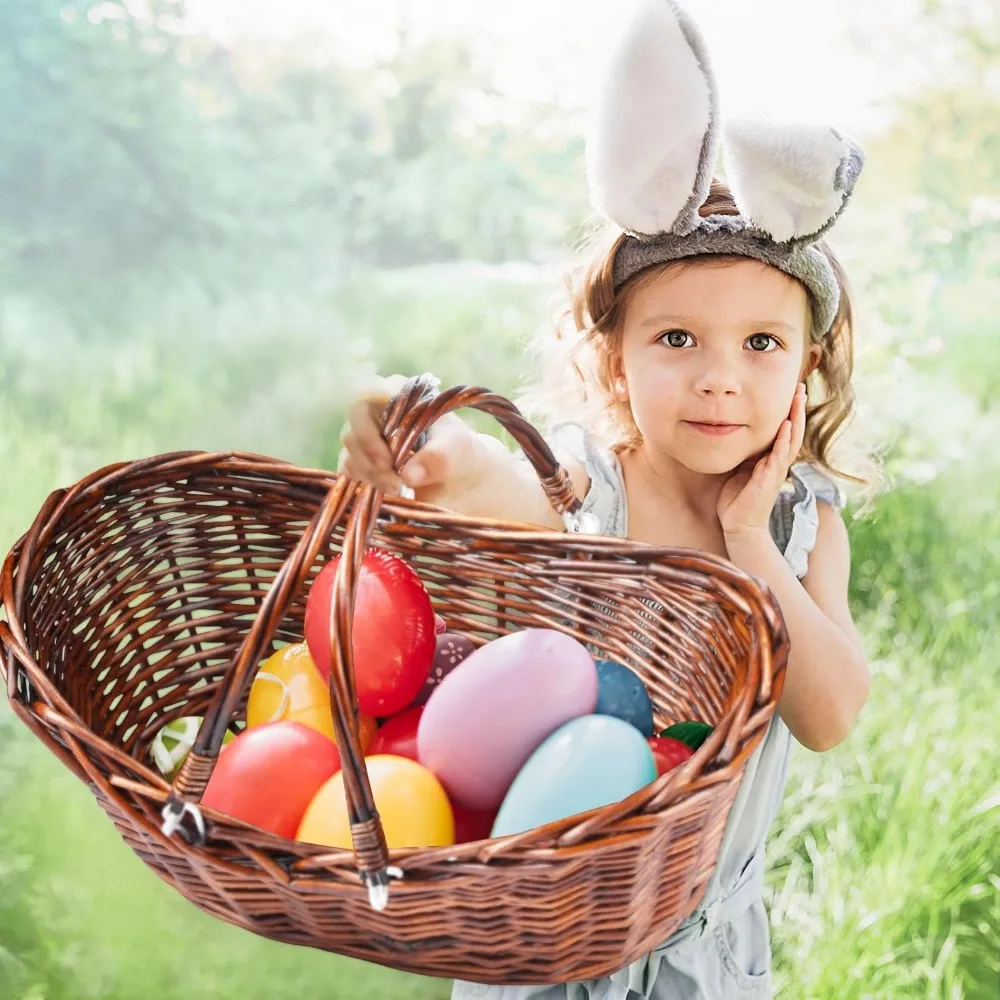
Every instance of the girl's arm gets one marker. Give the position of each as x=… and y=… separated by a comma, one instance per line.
x=826, y=682
x=827, y=679
x=457, y=469
x=477, y=475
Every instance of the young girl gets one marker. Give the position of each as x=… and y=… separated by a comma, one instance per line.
x=707, y=367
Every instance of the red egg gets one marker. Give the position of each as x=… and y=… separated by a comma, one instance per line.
x=471, y=824
x=668, y=753
x=398, y=735
x=451, y=650
x=269, y=774
x=392, y=635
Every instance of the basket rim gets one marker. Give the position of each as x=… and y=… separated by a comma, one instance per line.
x=57, y=515
x=60, y=501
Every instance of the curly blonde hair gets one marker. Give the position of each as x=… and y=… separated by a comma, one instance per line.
x=579, y=364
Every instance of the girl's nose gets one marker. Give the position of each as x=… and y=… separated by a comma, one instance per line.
x=719, y=379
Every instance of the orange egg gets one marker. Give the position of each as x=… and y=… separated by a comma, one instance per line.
x=288, y=687
x=413, y=807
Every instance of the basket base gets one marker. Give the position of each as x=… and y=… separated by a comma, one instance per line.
x=558, y=922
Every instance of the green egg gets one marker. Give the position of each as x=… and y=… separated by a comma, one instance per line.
x=173, y=743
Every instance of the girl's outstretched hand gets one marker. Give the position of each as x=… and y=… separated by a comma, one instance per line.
x=750, y=494
x=447, y=465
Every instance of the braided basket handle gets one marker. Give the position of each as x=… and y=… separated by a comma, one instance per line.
x=406, y=418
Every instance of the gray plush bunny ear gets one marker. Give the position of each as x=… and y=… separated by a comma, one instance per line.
x=790, y=181
x=654, y=137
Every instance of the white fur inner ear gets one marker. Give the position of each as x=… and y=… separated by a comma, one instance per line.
x=789, y=181
x=653, y=143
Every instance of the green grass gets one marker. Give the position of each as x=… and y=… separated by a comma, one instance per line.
x=884, y=875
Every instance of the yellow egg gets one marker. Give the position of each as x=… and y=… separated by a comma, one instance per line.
x=411, y=803
x=288, y=687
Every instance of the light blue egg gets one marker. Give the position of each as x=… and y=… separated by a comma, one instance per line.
x=620, y=693
x=589, y=762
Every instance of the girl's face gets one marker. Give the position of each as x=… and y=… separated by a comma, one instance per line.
x=711, y=356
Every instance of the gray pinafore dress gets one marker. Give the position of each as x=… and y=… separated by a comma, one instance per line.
x=723, y=950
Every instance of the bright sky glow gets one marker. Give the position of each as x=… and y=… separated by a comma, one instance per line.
x=803, y=60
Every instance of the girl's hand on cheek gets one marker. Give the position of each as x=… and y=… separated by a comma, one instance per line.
x=750, y=494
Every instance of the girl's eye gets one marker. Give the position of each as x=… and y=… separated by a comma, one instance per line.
x=676, y=338
x=763, y=343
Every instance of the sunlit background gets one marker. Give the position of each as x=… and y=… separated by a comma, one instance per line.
x=218, y=217
x=808, y=61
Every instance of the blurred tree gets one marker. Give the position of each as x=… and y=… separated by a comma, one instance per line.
x=939, y=161
x=929, y=240
x=104, y=150
x=456, y=179
x=137, y=156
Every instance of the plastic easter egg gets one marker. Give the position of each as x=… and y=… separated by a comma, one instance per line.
x=269, y=775
x=398, y=735
x=484, y=720
x=411, y=803
x=471, y=825
x=289, y=687
x=392, y=635
x=622, y=694
x=174, y=741
x=587, y=763
x=451, y=649
x=668, y=753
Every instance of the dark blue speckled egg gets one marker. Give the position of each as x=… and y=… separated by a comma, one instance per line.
x=622, y=694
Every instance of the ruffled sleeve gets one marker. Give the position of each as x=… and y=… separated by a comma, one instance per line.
x=795, y=521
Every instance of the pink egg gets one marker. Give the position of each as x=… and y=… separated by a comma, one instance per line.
x=486, y=717
x=452, y=649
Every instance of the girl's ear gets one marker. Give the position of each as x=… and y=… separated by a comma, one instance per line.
x=811, y=361
x=619, y=384
x=654, y=136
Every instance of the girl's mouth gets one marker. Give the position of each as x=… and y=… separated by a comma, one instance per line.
x=715, y=430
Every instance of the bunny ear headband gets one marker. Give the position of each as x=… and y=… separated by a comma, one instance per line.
x=654, y=145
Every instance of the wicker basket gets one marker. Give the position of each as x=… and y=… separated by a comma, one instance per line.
x=152, y=590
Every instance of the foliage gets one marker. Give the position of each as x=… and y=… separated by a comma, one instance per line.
x=137, y=155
